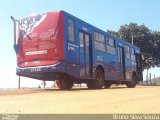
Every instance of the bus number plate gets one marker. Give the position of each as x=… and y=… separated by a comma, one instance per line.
x=35, y=69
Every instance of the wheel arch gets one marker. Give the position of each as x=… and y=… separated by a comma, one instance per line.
x=100, y=67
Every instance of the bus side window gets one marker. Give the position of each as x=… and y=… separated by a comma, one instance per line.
x=111, y=46
x=133, y=54
x=71, y=30
x=99, y=41
x=128, y=55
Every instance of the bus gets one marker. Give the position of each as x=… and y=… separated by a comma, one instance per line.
x=57, y=46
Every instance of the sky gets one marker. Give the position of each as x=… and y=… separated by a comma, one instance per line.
x=104, y=14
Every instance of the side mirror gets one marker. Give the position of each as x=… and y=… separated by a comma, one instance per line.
x=14, y=32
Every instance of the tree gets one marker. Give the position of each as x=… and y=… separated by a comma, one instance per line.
x=147, y=40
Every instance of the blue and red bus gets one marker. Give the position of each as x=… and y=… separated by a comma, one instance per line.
x=57, y=46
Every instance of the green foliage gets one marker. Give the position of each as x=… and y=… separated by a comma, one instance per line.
x=143, y=37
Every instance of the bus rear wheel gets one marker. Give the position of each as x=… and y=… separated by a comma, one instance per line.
x=133, y=83
x=64, y=84
x=98, y=82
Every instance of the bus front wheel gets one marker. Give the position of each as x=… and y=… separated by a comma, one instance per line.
x=133, y=82
x=64, y=84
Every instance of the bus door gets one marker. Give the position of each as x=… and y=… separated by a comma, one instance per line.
x=85, y=55
x=139, y=66
x=121, y=63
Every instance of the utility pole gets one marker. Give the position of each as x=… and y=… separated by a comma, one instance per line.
x=132, y=39
x=154, y=79
x=150, y=78
x=19, y=82
x=147, y=76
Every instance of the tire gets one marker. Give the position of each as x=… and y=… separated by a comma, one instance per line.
x=98, y=82
x=133, y=83
x=64, y=84
x=107, y=84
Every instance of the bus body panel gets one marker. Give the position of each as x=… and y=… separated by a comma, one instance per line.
x=71, y=50
x=79, y=58
x=41, y=40
x=84, y=40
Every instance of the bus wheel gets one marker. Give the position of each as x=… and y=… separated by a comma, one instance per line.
x=64, y=84
x=107, y=84
x=132, y=84
x=98, y=82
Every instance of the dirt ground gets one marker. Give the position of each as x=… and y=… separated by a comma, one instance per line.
x=142, y=99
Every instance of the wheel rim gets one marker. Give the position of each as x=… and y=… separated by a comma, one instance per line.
x=99, y=79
